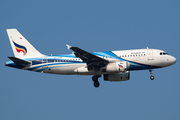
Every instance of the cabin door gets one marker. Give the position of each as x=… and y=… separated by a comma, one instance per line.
x=150, y=54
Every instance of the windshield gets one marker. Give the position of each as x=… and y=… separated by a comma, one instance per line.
x=163, y=53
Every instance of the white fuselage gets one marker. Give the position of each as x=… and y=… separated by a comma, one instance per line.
x=139, y=59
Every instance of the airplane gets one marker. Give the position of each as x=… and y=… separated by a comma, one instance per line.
x=113, y=65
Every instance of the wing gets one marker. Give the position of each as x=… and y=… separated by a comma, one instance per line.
x=90, y=59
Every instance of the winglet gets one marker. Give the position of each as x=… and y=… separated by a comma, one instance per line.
x=68, y=46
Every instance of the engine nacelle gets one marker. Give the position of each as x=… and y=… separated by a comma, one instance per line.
x=116, y=67
x=117, y=77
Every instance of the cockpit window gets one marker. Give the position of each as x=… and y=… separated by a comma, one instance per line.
x=163, y=53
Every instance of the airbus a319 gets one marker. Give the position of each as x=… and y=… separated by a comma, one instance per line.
x=112, y=65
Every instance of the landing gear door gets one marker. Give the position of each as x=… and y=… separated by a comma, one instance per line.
x=150, y=54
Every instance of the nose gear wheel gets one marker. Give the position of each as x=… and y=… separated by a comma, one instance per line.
x=151, y=77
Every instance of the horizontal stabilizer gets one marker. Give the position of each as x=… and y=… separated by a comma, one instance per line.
x=20, y=61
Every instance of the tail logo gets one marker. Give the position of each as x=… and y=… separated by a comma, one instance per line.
x=20, y=48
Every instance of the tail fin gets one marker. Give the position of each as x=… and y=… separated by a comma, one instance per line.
x=20, y=46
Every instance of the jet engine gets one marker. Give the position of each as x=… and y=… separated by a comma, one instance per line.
x=116, y=67
x=123, y=76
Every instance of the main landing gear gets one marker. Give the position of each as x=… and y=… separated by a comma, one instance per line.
x=151, y=77
x=95, y=80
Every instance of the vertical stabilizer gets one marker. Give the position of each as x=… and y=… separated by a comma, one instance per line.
x=20, y=46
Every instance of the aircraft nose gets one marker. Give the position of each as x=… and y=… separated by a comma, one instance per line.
x=172, y=60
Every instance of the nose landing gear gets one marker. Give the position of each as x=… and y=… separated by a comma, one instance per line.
x=151, y=77
x=95, y=79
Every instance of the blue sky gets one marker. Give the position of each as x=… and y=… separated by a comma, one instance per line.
x=96, y=25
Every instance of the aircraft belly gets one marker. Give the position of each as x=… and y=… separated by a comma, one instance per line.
x=64, y=69
x=58, y=68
